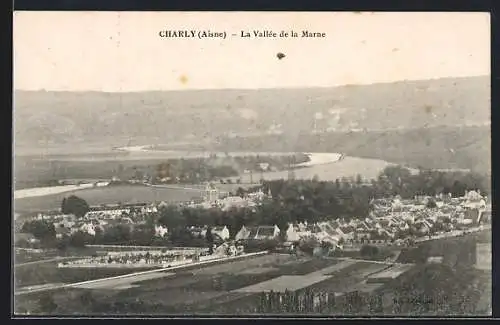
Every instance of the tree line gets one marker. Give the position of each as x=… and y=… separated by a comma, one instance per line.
x=199, y=170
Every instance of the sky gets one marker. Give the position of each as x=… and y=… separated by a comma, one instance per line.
x=122, y=51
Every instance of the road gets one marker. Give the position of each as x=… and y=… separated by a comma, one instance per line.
x=371, y=261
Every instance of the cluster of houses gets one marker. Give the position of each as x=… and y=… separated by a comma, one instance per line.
x=396, y=221
x=213, y=198
x=99, y=219
x=391, y=220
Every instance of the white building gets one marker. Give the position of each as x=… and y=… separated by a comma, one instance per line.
x=242, y=234
x=161, y=230
x=259, y=233
x=267, y=232
x=89, y=228
x=211, y=194
x=292, y=233
x=149, y=209
x=222, y=232
x=233, y=202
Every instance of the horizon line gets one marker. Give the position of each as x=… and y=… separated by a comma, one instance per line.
x=251, y=89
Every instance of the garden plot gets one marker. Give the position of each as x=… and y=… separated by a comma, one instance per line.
x=305, y=266
x=259, y=270
x=122, y=283
x=369, y=269
x=389, y=273
x=350, y=277
x=334, y=268
x=285, y=282
x=241, y=265
x=186, y=298
x=296, y=282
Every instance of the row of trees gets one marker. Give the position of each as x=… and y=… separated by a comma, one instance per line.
x=196, y=170
x=397, y=180
x=309, y=301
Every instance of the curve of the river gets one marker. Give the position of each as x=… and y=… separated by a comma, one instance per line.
x=326, y=166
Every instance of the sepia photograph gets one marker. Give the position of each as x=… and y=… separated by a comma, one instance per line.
x=251, y=164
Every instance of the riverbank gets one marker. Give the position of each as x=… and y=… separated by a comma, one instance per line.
x=315, y=159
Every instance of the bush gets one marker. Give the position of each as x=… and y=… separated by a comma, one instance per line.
x=261, y=245
x=41, y=229
x=369, y=251
x=308, y=245
x=80, y=239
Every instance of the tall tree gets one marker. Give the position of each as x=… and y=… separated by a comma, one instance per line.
x=41, y=229
x=75, y=205
x=209, y=237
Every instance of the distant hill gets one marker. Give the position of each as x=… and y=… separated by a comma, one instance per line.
x=115, y=119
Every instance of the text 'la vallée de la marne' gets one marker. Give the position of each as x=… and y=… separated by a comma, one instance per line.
x=281, y=34
x=243, y=34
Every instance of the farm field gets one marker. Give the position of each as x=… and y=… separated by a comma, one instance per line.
x=123, y=283
x=36, y=171
x=484, y=305
x=225, y=286
x=236, y=285
x=108, y=195
x=483, y=258
x=50, y=190
x=45, y=273
x=456, y=251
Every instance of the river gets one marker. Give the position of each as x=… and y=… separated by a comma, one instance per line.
x=326, y=166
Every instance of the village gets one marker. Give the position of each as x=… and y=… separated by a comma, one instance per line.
x=392, y=222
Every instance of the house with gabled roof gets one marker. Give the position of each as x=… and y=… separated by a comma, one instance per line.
x=346, y=232
x=258, y=233
x=363, y=226
x=484, y=216
x=242, y=234
x=423, y=226
x=221, y=231
x=292, y=233
x=267, y=232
